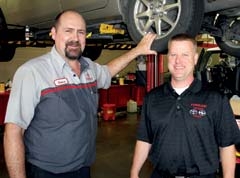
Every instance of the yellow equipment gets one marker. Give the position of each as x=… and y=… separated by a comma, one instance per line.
x=110, y=29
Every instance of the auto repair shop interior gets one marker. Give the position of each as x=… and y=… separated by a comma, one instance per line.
x=23, y=37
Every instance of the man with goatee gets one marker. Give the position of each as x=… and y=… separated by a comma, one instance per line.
x=51, y=119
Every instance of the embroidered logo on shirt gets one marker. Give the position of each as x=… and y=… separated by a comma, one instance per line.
x=198, y=110
x=88, y=77
x=61, y=81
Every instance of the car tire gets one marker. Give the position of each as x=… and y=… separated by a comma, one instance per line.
x=7, y=52
x=92, y=51
x=142, y=17
x=230, y=47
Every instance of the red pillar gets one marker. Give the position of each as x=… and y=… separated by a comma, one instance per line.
x=160, y=69
x=155, y=71
x=150, y=72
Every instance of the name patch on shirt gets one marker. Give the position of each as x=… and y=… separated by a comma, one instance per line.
x=61, y=81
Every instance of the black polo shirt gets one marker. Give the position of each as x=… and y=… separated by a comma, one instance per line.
x=187, y=130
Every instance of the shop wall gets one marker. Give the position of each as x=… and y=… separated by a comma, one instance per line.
x=108, y=55
x=7, y=69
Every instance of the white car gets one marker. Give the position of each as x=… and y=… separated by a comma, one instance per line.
x=220, y=18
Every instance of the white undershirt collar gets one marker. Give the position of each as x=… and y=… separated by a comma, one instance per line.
x=179, y=91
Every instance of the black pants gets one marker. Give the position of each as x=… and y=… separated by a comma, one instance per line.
x=158, y=174
x=36, y=172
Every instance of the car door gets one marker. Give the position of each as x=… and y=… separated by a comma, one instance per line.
x=30, y=12
x=83, y=6
x=95, y=11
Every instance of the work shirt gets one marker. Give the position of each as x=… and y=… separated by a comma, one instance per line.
x=58, y=109
x=186, y=130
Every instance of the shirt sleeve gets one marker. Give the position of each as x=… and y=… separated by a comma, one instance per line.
x=103, y=76
x=228, y=131
x=23, y=98
x=144, y=132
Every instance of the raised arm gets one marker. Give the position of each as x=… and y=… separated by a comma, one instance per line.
x=143, y=48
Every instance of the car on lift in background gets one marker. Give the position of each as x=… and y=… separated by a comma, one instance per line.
x=219, y=71
x=219, y=18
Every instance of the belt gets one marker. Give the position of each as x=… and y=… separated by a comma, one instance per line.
x=159, y=174
x=33, y=171
x=203, y=176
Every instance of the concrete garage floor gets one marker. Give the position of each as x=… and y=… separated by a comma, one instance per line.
x=115, y=146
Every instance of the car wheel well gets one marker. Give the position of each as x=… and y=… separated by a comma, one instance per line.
x=122, y=4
